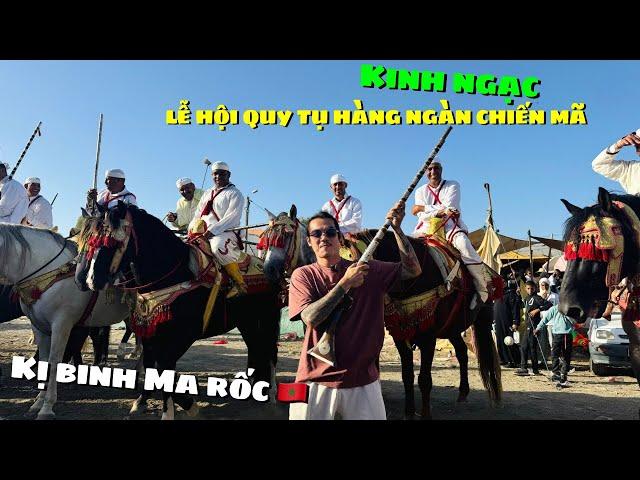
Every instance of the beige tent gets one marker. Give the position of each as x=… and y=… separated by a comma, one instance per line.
x=489, y=248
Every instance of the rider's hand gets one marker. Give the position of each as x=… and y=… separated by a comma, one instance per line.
x=416, y=209
x=92, y=194
x=396, y=214
x=354, y=276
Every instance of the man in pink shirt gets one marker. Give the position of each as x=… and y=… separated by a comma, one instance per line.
x=351, y=388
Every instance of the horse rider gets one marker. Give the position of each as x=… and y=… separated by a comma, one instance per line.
x=186, y=205
x=40, y=213
x=109, y=197
x=220, y=209
x=13, y=208
x=14, y=201
x=439, y=201
x=347, y=210
x=626, y=172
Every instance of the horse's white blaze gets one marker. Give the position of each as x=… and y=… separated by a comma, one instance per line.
x=91, y=273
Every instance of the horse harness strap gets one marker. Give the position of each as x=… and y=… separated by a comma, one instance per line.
x=31, y=290
x=88, y=310
x=64, y=246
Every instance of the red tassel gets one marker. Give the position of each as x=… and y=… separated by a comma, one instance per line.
x=586, y=251
x=263, y=243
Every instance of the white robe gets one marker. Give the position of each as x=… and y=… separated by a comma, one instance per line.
x=626, y=172
x=14, y=202
x=349, y=213
x=111, y=199
x=449, y=196
x=40, y=213
x=227, y=205
x=455, y=230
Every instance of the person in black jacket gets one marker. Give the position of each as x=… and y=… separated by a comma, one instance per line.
x=533, y=305
x=506, y=313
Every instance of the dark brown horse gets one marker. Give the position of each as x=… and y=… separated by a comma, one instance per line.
x=451, y=317
x=154, y=259
x=597, y=236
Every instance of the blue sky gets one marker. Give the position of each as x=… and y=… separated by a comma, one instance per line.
x=529, y=167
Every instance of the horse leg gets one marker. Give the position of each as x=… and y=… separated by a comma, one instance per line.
x=427, y=346
x=146, y=360
x=406, y=361
x=123, y=343
x=463, y=359
x=43, y=341
x=59, y=336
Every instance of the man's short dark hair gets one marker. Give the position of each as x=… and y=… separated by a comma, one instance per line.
x=531, y=283
x=326, y=216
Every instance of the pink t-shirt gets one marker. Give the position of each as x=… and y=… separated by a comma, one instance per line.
x=360, y=331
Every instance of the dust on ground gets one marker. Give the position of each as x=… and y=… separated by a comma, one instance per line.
x=525, y=398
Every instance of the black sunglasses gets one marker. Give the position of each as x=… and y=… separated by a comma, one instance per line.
x=329, y=232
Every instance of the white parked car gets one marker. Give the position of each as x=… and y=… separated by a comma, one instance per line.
x=608, y=345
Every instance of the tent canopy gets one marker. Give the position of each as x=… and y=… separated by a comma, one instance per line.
x=508, y=243
x=550, y=242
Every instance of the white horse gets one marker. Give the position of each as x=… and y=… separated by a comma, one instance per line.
x=28, y=253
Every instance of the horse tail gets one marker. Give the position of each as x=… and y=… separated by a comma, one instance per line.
x=487, y=355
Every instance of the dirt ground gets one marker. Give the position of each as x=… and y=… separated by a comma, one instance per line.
x=531, y=398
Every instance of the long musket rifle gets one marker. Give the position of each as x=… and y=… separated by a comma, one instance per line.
x=324, y=350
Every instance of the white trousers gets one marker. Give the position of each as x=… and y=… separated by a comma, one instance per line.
x=225, y=248
x=463, y=244
x=358, y=403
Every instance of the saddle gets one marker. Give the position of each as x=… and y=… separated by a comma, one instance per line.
x=153, y=308
x=207, y=269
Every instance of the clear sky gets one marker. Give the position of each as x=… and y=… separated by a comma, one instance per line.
x=529, y=167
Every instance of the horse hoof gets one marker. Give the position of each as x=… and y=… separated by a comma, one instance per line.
x=138, y=409
x=194, y=410
x=31, y=413
x=46, y=416
x=409, y=416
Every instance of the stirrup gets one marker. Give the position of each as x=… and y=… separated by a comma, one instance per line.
x=236, y=292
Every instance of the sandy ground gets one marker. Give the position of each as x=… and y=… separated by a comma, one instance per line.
x=534, y=397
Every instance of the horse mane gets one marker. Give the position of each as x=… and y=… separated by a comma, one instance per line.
x=11, y=234
x=308, y=257
x=631, y=256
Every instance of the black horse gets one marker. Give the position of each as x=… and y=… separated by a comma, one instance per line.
x=452, y=315
x=585, y=292
x=155, y=259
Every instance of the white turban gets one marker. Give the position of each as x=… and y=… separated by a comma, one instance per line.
x=181, y=182
x=219, y=166
x=32, y=180
x=115, y=173
x=436, y=161
x=337, y=178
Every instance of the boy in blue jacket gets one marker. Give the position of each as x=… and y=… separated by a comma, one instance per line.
x=561, y=327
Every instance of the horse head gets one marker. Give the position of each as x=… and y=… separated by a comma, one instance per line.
x=601, y=249
x=104, y=247
x=286, y=247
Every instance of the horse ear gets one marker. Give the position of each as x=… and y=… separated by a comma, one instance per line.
x=573, y=210
x=293, y=212
x=604, y=199
x=85, y=214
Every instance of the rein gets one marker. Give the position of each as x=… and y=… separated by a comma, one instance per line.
x=64, y=247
